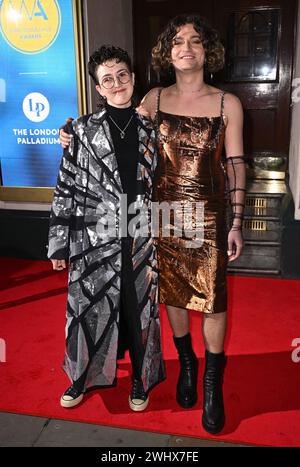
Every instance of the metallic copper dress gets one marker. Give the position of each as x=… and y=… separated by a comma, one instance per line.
x=191, y=171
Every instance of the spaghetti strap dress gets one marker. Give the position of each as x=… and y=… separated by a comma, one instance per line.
x=191, y=178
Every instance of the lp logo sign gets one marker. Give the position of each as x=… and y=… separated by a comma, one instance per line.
x=36, y=107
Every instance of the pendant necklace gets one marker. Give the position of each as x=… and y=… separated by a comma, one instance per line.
x=122, y=132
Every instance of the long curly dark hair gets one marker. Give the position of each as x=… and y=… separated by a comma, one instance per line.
x=214, y=50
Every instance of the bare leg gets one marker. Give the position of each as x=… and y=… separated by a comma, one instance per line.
x=179, y=320
x=213, y=331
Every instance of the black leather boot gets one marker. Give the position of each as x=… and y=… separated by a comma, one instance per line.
x=213, y=417
x=186, y=391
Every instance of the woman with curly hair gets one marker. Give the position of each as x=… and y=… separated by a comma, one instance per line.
x=193, y=120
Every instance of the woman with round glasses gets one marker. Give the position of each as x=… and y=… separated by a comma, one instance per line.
x=112, y=288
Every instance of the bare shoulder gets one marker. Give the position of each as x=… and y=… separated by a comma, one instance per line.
x=153, y=92
x=149, y=102
x=232, y=104
x=151, y=97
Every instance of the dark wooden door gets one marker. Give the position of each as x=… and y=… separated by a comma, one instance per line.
x=259, y=42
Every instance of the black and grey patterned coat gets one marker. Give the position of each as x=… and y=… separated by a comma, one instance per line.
x=88, y=176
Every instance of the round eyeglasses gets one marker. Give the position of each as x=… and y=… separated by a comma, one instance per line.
x=108, y=82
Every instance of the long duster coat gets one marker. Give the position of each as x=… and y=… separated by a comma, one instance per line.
x=89, y=177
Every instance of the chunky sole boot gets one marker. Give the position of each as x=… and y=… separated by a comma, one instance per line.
x=186, y=390
x=213, y=418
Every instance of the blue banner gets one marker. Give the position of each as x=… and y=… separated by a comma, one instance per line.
x=38, y=88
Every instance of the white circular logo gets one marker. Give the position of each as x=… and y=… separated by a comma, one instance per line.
x=36, y=107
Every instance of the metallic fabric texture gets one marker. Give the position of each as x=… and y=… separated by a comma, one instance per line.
x=191, y=171
x=88, y=176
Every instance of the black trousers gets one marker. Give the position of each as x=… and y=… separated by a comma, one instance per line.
x=130, y=333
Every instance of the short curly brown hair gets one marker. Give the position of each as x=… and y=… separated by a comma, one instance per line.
x=214, y=50
x=104, y=54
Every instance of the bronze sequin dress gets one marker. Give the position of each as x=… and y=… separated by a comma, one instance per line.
x=191, y=173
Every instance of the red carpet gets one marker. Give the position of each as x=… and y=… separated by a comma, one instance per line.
x=262, y=383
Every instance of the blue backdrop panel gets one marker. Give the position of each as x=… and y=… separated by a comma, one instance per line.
x=38, y=88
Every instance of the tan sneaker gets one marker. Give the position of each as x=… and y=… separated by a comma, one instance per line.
x=71, y=397
x=138, y=398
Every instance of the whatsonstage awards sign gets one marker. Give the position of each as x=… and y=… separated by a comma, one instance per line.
x=38, y=88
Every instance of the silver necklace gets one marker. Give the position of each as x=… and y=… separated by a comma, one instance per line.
x=122, y=132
